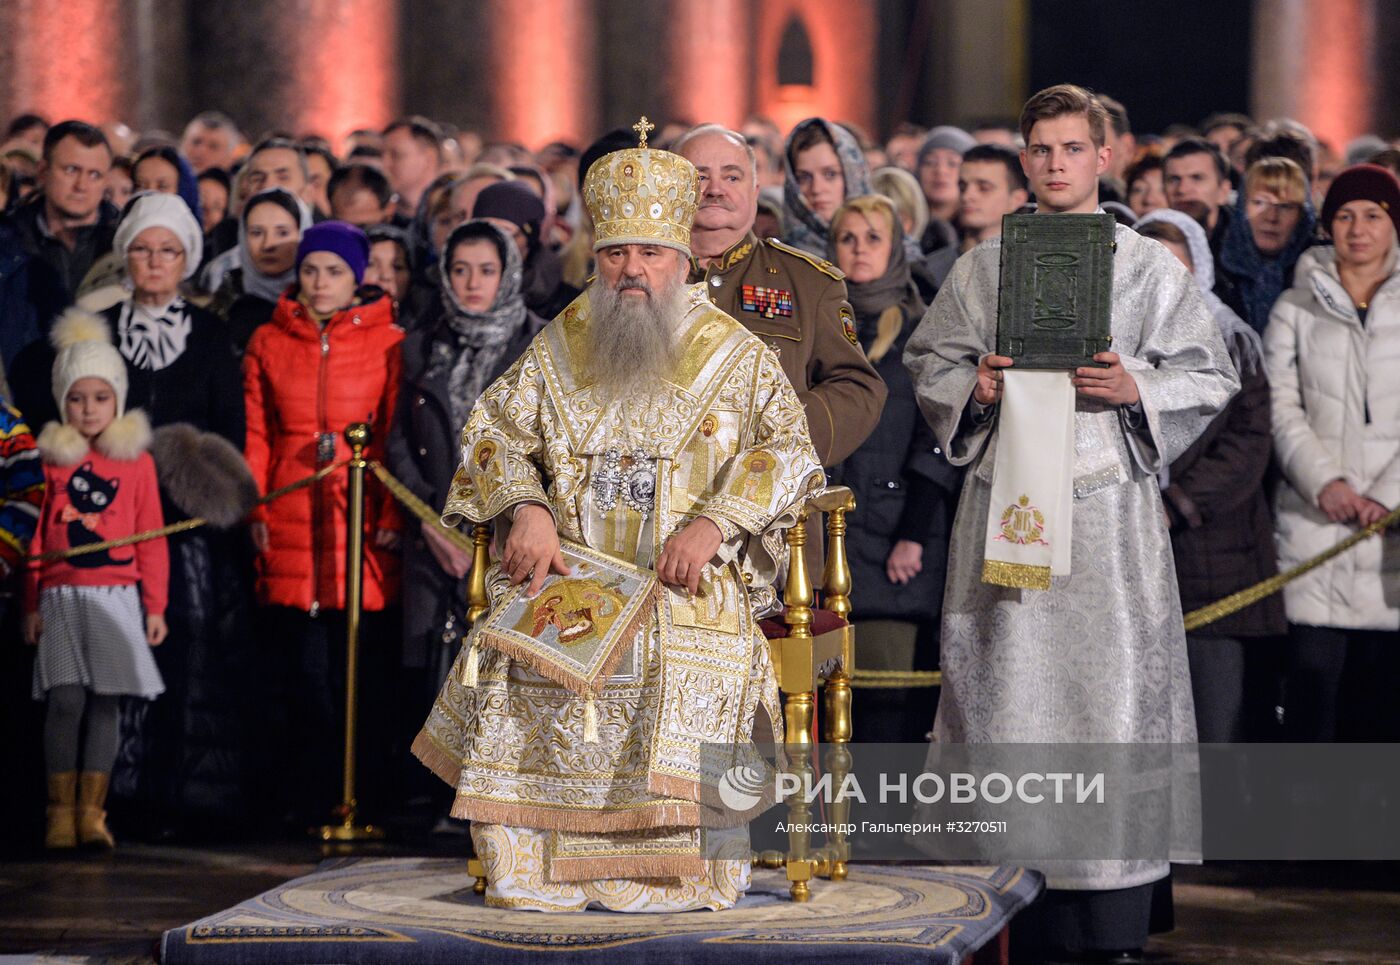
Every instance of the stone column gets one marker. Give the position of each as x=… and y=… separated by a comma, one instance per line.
x=345, y=67
x=543, y=81
x=710, y=67
x=312, y=66
x=62, y=59
x=1314, y=62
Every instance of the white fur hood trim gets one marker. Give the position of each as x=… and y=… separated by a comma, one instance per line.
x=125, y=439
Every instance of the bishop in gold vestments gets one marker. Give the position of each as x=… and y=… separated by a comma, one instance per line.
x=578, y=800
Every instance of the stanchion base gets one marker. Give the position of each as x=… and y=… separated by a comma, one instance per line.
x=350, y=832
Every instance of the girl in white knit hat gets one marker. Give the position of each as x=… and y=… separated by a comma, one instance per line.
x=85, y=612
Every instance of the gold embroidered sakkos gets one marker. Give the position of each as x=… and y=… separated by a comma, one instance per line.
x=729, y=440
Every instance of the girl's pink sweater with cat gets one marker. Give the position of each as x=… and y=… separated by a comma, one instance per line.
x=100, y=499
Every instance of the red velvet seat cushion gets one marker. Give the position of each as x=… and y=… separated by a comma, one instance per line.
x=823, y=621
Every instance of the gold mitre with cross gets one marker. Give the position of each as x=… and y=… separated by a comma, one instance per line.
x=641, y=196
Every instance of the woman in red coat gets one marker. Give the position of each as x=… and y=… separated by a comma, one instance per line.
x=329, y=357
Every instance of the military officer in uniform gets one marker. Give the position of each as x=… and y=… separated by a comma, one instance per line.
x=790, y=299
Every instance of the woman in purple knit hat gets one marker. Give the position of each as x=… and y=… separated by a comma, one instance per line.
x=329, y=357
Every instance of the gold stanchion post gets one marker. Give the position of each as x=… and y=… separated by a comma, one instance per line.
x=357, y=435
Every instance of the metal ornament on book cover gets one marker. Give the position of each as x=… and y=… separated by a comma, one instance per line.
x=1055, y=289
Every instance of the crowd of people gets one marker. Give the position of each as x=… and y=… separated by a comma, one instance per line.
x=187, y=323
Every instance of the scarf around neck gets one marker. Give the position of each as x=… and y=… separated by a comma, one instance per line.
x=1259, y=279
x=870, y=298
x=1243, y=342
x=468, y=346
x=152, y=338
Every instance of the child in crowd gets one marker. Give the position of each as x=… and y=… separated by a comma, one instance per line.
x=21, y=492
x=84, y=612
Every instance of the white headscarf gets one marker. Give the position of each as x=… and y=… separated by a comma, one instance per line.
x=153, y=210
x=1232, y=327
x=267, y=287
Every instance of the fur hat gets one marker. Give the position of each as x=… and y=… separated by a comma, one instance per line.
x=85, y=350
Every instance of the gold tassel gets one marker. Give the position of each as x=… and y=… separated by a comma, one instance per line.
x=469, y=671
x=590, y=720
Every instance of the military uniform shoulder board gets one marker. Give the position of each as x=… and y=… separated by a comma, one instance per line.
x=848, y=325
x=821, y=264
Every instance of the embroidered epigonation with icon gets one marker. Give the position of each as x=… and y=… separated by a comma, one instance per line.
x=768, y=302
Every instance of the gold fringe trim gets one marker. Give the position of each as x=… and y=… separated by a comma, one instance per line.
x=583, y=820
x=713, y=812
x=668, y=785
x=540, y=664
x=564, y=870
x=436, y=759
x=1021, y=576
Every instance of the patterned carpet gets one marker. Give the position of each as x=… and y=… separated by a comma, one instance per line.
x=422, y=910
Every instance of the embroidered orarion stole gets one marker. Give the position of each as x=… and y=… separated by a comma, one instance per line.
x=731, y=442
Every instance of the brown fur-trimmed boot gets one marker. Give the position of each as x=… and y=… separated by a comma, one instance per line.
x=62, y=830
x=92, y=818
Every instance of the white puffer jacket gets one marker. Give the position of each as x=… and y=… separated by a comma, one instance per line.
x=1336, y=415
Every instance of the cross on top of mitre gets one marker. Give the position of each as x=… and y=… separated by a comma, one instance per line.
x=643, y=128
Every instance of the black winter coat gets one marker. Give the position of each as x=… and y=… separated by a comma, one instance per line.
x=187, y=758
x=904, y=489
x=1221, y=527
x=203, y=387
x=424, y=451
x=240, y=312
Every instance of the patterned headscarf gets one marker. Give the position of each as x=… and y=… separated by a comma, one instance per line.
x=468, y=346
x=1261, y=279
x=1232, y=328
x=804, y=229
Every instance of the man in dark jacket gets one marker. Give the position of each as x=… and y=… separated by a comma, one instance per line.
x=1197, y=180
x=48, y=244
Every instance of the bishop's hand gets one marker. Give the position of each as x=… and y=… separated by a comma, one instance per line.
x=684, y=556
x=532, y=549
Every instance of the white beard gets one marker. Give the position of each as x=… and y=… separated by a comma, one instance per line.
x=634, y=343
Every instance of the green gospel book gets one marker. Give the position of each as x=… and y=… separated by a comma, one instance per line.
x=1055, y=289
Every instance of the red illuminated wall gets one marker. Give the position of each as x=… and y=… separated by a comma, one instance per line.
x=63, y=57
x=1335, y=91
x=346, y=75
x=542, y=82
x=843, y=36
x=710, y=64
